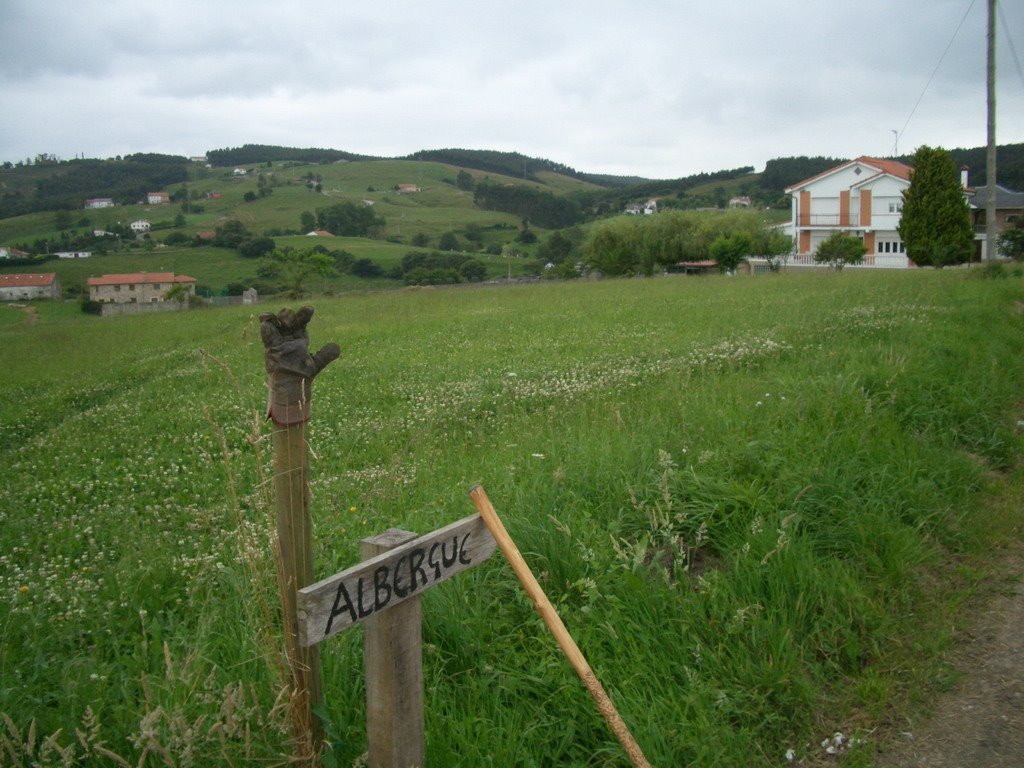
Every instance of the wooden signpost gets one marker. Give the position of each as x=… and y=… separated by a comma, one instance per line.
x=384, y=592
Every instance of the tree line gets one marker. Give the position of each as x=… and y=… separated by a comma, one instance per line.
x=126, y=181
x=249, y=154
x=539, y=207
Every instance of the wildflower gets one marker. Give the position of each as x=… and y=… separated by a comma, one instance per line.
x=790, y=755
x=23, y=589
x=351, y=509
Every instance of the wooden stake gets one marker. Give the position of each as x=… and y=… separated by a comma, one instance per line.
x=551, y=618
x=393, y=661
x=295, y=570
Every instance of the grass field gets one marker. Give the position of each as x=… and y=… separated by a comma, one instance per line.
x=756, y=503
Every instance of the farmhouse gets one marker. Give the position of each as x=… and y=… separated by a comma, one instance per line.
x=137, y=287
x=6, y=252
x=74, y=254
x=404, y=188
x=158, y=198
x=863, y=198
x=139, y=227
x=29, y=286
x=99, y=202
x=739, y=201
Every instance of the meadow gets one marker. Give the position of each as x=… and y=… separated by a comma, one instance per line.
x=756, y=502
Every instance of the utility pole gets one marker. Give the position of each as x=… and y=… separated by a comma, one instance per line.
x=991, y=249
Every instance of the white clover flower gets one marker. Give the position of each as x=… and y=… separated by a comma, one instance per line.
x=790, y=755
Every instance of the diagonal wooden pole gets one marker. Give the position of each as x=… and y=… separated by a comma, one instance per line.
x=554, y=622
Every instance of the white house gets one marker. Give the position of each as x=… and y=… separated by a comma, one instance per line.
x=862, y=198
x=647, y=209
x=140, y=226
x=158, y=198
x=74, y=254
x=99, y=202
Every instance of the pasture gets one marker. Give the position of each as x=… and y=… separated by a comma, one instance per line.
x=755, y=503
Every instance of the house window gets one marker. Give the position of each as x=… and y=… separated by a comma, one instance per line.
x=895, y=207
x=117, y=287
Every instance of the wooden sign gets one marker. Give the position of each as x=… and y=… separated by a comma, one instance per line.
x=388, y=579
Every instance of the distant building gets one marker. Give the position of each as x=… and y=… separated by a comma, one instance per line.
x=239, y=172
x=197, y=159
x=140, y=226
x=99, y=202
x=647, y=209
x=29, y=286
x=319, y=233
x=158, y=198
x=74, y=254
x=6, y=252
x=739, y=201
x=405, y=188
x=137, y=287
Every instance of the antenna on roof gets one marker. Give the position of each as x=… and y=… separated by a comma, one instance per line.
x=895, y=143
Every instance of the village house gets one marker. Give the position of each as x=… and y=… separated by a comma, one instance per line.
x=6, y=252
x=99, y=202
x=137, y=287
x=74, y=254
x=404, y=188
x=140, y=227
x=862, y=198
x=24, y=287
x=647, y=209
x=739, y=201
x=1009, y=213
x=158, y=198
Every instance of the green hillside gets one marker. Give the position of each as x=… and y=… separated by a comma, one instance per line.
x=279, y=193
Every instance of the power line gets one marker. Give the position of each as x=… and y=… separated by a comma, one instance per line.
x=934, y=71
x=1009, y=40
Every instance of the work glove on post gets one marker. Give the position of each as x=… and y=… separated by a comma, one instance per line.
x=290, y=367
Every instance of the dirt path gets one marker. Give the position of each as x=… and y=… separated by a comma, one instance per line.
x=980, y=723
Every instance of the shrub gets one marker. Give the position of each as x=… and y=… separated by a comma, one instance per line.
x=91, y=307
x=839, y=250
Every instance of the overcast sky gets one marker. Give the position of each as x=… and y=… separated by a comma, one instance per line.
x=659, y=89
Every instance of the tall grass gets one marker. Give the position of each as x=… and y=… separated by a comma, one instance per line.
x=743, y=495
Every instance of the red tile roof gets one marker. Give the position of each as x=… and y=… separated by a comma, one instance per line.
x=136, y=278
x=892, y=167
x=27, y=280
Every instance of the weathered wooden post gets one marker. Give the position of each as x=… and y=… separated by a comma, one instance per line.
x=384, y=591
x=290, y=372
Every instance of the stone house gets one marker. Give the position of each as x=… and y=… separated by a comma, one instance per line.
x=137, y=287
x=23, y=287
